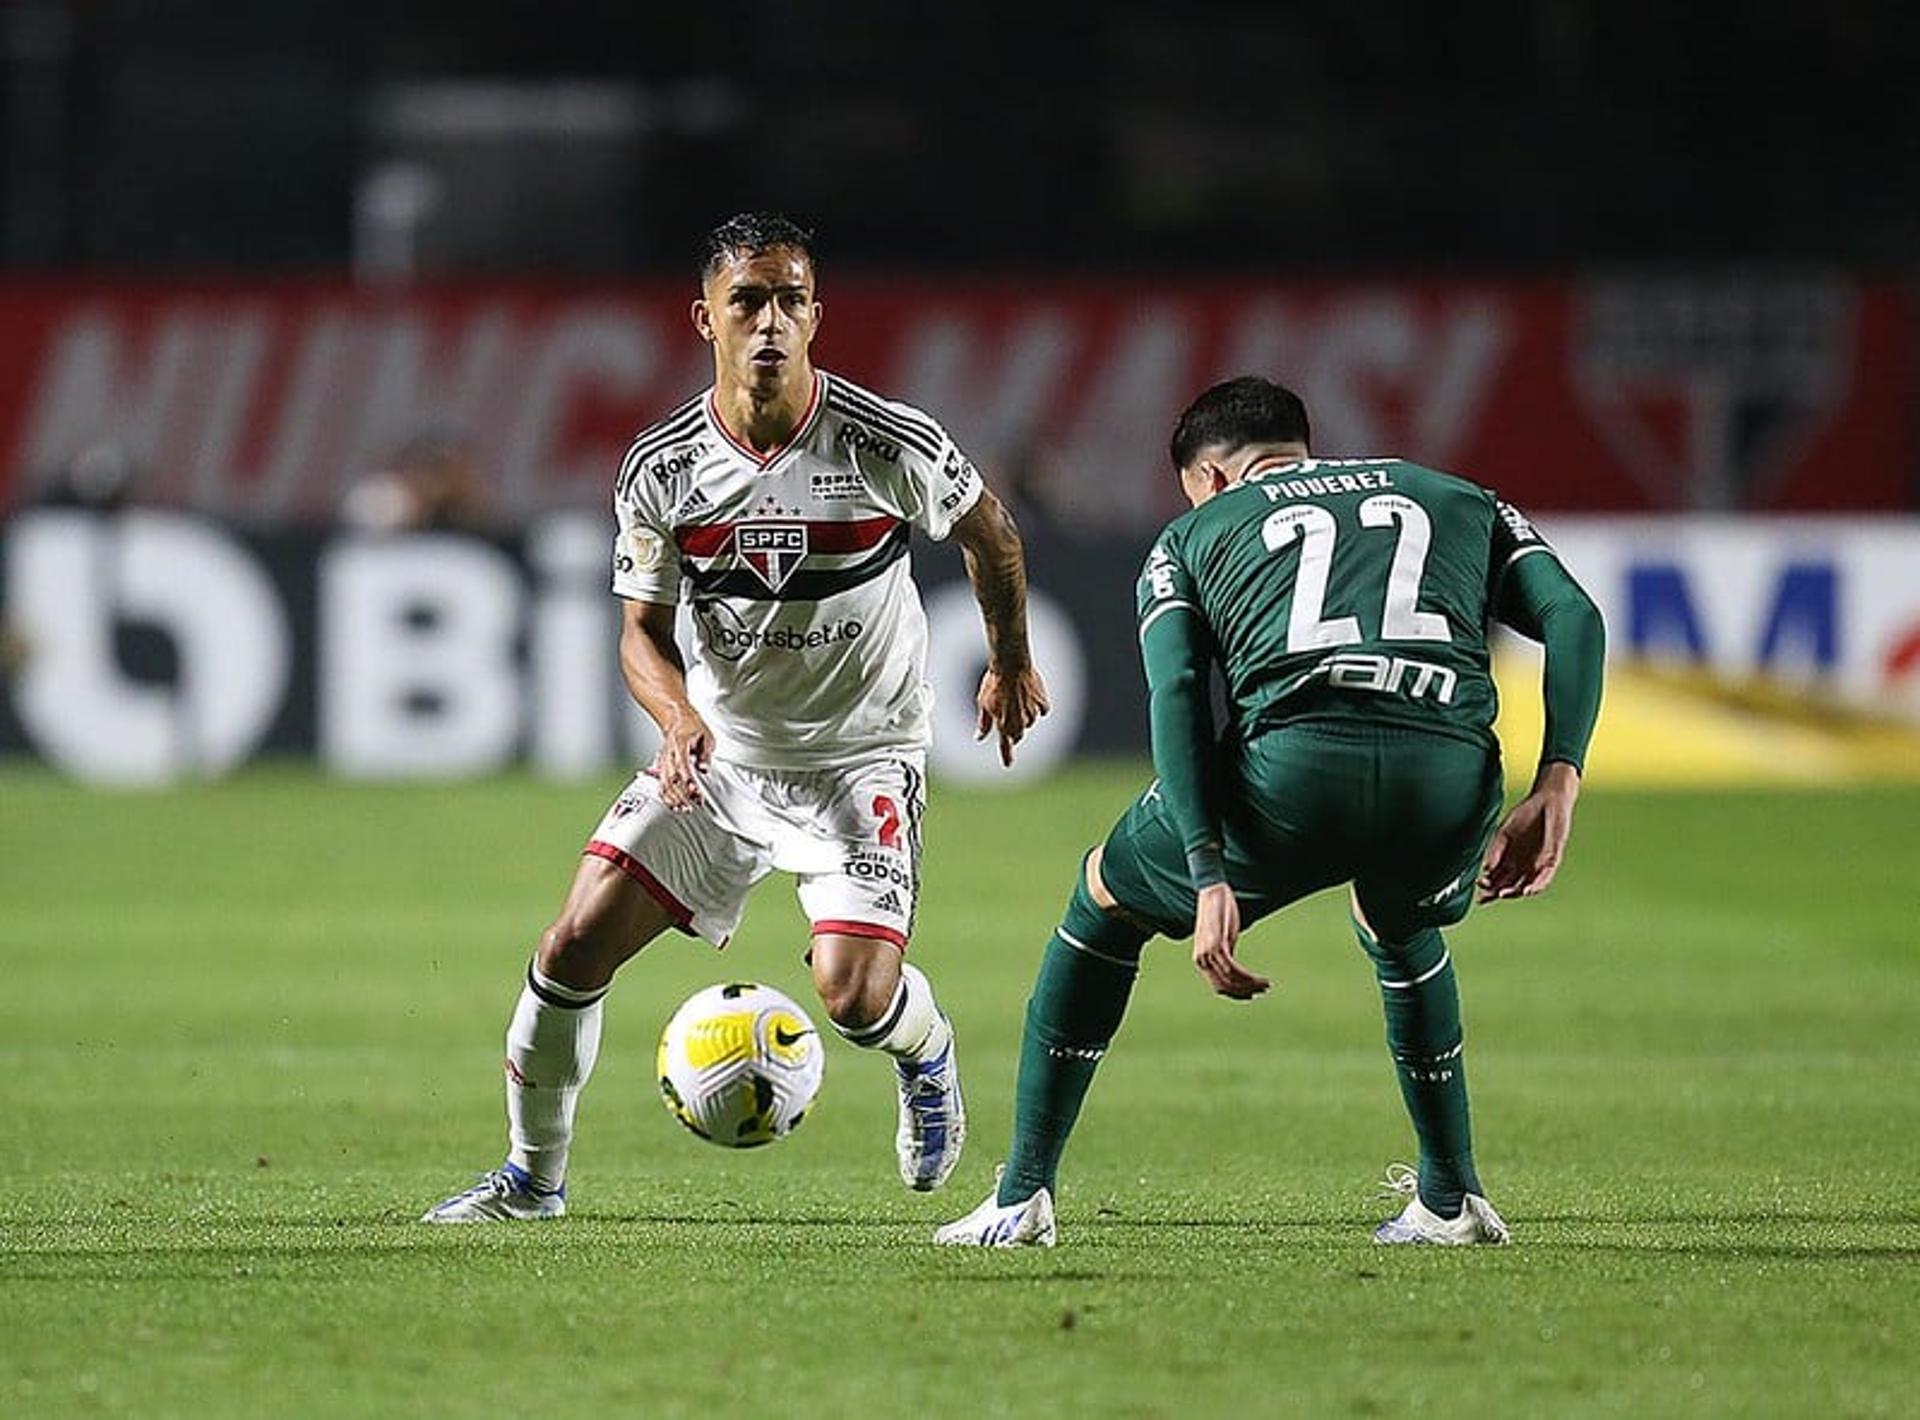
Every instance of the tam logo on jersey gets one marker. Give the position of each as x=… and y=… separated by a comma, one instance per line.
x=773, y=550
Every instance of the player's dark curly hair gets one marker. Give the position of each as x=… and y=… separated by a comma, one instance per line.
x=1238, y=412
x=749, y=234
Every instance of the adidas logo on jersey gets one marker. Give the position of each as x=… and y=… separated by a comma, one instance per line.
x=695, y=502
x=889, y=901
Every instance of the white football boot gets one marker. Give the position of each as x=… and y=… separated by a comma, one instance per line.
x=1417, y=1223
x=1028, y=1223
x=933, y=1120
x=505, y=1195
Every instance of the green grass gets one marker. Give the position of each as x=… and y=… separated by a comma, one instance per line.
x=247, y=1032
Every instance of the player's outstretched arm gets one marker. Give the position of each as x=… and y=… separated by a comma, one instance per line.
x=1012, y=695
x=1540, y=599
x=657, y=678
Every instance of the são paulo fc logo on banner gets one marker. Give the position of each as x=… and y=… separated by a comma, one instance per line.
x=773, y=550
x=1708, y=390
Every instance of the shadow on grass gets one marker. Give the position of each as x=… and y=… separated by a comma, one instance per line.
x=1746, y=1252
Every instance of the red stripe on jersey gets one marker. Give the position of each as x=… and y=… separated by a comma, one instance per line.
x=682, y=914
x=838, y=928
x=857, y=535
x=806, y=419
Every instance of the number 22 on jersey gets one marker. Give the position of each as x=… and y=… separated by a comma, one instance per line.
x=1317, y=530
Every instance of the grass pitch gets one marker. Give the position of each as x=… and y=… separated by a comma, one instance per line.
x=248, y=1032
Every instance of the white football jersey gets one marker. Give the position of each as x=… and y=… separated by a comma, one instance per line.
x=810, y=642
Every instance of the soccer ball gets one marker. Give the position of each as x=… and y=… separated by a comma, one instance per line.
x=740, y=1064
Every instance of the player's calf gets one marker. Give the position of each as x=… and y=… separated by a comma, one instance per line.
x=911, y=1028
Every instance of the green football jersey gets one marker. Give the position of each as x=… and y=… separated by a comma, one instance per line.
x=1345, y=588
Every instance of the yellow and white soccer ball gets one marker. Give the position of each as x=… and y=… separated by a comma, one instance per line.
x=740, y=1064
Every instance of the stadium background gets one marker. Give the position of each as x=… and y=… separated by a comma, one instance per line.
x=278, y=289
x=321, y=330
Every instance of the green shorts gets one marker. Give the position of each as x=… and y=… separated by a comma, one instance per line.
x=1401, y=814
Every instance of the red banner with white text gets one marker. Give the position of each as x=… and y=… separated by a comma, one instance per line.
x=265, y=402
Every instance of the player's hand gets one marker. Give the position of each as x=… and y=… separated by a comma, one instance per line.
x=1010, y=702
x=686, y=749
x=1216, y=931
x=1527, y=847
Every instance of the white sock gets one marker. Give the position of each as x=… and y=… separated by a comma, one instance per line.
x=911, y=1028
x=552, y=1043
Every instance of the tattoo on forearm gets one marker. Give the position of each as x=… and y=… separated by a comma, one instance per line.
x=997, y=567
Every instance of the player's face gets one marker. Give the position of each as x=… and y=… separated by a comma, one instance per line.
x=758, y=313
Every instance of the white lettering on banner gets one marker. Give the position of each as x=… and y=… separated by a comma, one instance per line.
x=268, y=406
x=200, y=404
x=997, y=401
x=1442, y=372
x=410, y=379
x=309, y=438
x=226, y=381
x=1265, y=341
x=583, y=718
x=1456, y=379
x=575, y=628
x=93, y=387
x=1122, y=421
x=72, y=576
x=582, y=348
x=955, y=659
x=417, y=669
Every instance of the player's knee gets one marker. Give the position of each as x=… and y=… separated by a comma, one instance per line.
x=1103, y=932
x=578, y=949
x=1406, y=955
x=855, y=989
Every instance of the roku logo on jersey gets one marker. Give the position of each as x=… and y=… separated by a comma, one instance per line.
x=856, y=437
x=667, y=466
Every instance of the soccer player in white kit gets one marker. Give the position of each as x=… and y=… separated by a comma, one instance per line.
x=777, y=506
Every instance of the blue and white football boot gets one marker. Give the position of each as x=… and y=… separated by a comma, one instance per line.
x=1028, y=1223
x=933, y=1119
x=505, y=1195
x=1417, y=1223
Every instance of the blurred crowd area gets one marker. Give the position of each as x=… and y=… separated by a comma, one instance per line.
x=513, y=136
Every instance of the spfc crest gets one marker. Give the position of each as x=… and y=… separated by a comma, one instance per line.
x=1707, y=390
x=772, y=550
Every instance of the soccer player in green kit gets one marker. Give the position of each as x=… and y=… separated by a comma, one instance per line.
x=1346, y=603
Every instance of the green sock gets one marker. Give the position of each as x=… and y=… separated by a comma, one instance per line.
x=1078, y=999
x=1422, y=1003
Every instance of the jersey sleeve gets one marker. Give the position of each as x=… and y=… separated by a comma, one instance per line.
x=1176, y=649
x=1538, y=597
x=1514, y=539
x=646, y=560
x=933, y=492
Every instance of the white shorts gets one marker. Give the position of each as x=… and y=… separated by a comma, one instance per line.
x=851, y=835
